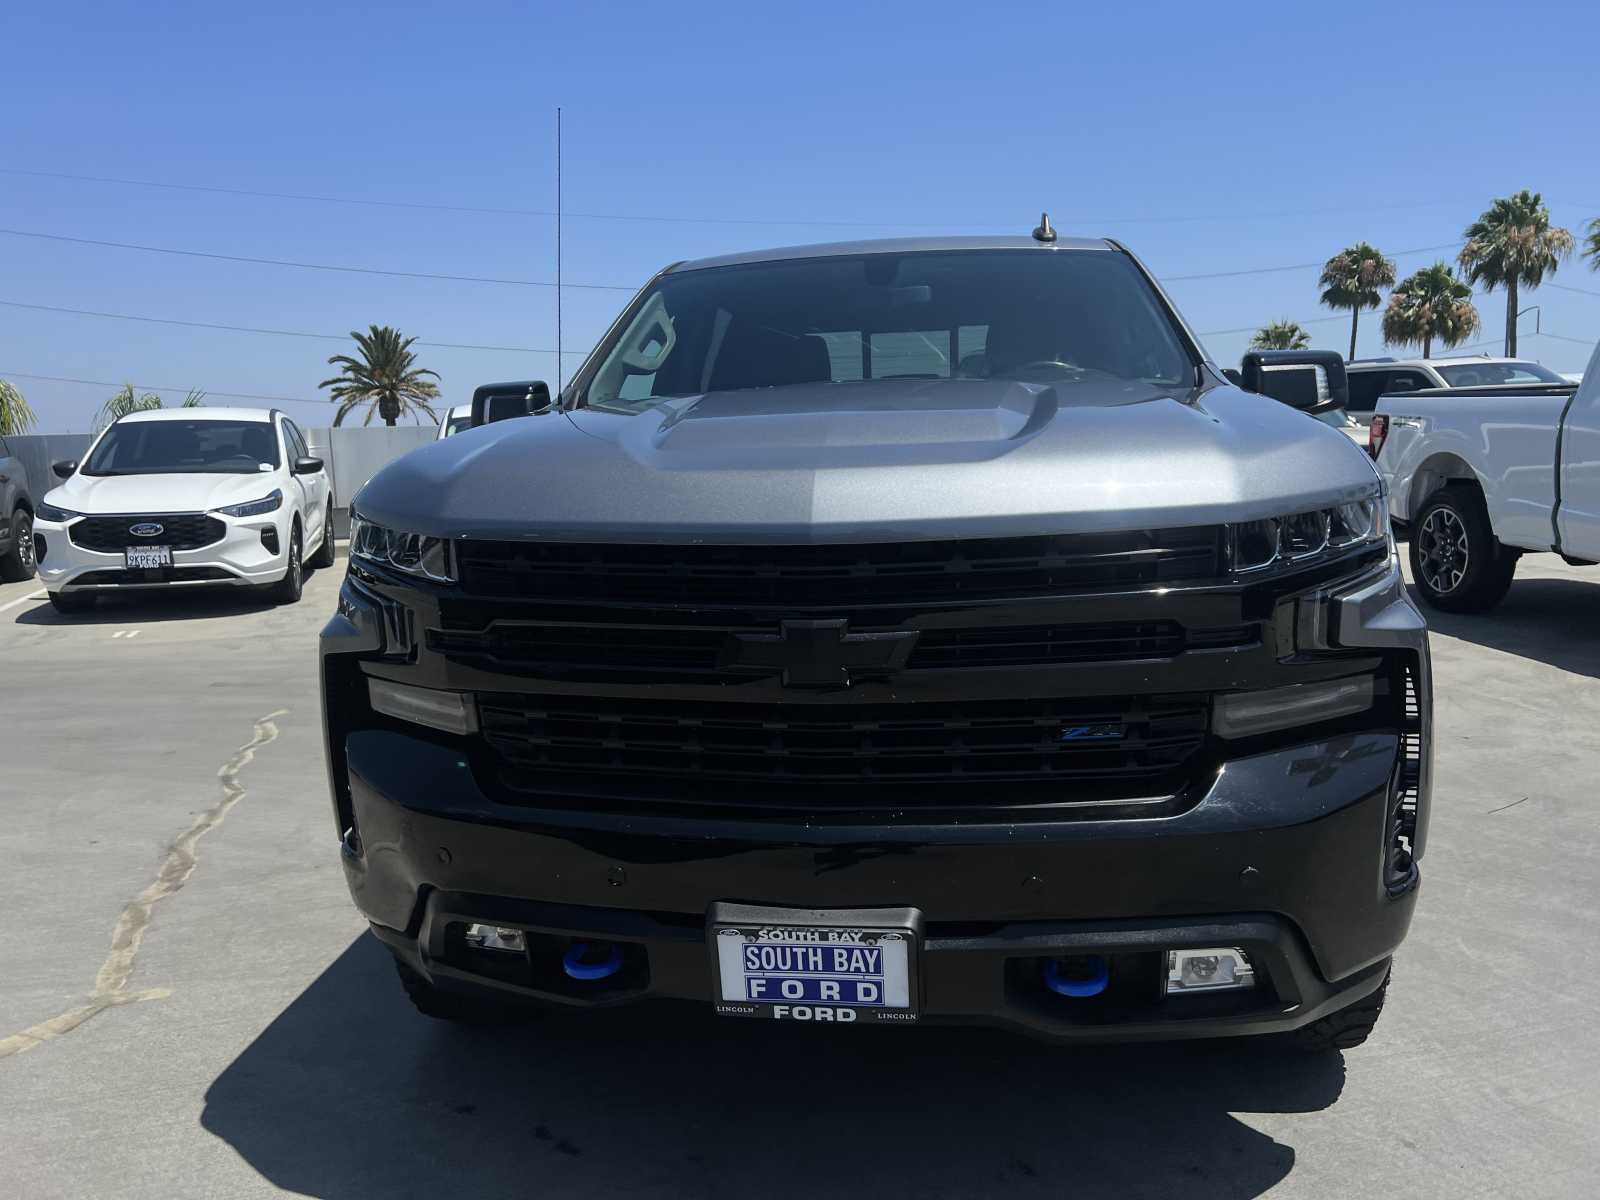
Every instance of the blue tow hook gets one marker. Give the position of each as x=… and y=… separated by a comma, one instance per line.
x=1080, y=976
x=588, y=961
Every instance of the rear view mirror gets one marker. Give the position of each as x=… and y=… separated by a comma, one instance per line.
x=1311, y=380
x=502, y=401
x=64, y=468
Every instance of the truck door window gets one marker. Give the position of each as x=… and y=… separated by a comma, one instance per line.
x=1365, y=387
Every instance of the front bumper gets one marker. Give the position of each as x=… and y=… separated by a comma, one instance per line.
x=240, y=558
x=1284, y=854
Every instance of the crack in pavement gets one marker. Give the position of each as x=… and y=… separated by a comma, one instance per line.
x=111, y=982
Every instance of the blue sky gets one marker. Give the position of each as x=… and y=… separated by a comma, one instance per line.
x=1211, y=139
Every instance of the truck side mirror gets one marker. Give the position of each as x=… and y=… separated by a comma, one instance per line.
x=1313, y=381
x=64, y=468
x=502, y=401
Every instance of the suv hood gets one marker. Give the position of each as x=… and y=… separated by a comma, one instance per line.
x=176, y=493
x=875, y=461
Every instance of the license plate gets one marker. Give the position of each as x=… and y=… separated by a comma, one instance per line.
x=138, y=558
x=824, y=973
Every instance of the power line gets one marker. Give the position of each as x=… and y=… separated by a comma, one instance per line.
x=295, y=333
x=1564, y=287
x=658, y=218
x=150, y=387
x=310, y=266
x=1293, y=266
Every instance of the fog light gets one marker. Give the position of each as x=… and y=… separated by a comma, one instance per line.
x=1214, y=969
x=492, y=937
x=453, y=712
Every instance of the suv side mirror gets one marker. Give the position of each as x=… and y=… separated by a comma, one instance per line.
x=306, y=464
x=64, y=468
x=502, y=401
x=1313, y=381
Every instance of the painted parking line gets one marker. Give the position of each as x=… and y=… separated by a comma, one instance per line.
x=23, y=600
x=126, y=633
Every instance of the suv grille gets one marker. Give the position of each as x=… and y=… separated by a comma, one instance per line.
x=995, y=754
x=809, y=576
x=181, y=531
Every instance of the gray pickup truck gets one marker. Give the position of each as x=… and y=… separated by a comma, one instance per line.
x=16, y=519
x=897, y=631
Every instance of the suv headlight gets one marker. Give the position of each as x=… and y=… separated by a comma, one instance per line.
x=271, y=502
x=1302, y=538
x=410, y=553
x=49, y=512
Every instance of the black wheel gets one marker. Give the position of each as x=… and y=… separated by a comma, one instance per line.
x=1345, y=1029
x=324, y=555
x=17, y=563
x=1456, y=561
x=72, y=602
x=441, y=1005
x=287, y=590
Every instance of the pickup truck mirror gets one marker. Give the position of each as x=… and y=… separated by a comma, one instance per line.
x=502, y=401
x=64, y=468
x=1313, y=381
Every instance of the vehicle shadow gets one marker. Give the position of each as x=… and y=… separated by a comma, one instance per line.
x=161, y=605
x=1548, y=620
x=350, y=1094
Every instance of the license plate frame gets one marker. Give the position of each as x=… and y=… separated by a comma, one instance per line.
x=817, y=965
x=146, y=558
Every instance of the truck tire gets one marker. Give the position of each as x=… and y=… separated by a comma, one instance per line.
x=1457, y=563
x=16, y=564
x=1345, y=1029
x=435, y=1002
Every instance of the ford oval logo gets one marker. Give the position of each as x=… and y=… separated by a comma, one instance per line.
x=147, y=529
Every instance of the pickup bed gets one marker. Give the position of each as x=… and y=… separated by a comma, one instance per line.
x=1484, y=475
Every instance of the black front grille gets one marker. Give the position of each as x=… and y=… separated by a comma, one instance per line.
x=181, y=531
x=641, y=652
x=153, y=575
x=810, y=576
x=986, y=755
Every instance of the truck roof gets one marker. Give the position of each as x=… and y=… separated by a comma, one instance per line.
x=1387, y=364
x=909, y=245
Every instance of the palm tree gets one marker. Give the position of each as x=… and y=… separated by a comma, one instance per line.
x=386, y=377
x=1512, y=244
x=1280, y=335
x=1353, y=279
x=1591, y=245
x=1433, y=303
x=15, y=415
x=124, y=402
x=195, y=399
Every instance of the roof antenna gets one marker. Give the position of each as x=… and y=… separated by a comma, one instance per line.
x=1045, y=232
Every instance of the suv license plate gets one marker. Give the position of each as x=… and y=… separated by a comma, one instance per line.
x=138, y=558
x=815, y=973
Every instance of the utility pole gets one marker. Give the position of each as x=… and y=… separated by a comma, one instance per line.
x=558, y=254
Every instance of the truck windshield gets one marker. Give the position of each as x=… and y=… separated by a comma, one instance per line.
x=1058, y=317
x=185, y=447
x=1496, y=374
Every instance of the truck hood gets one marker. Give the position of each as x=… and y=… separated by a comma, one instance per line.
x=881, y=460
x=175, y=493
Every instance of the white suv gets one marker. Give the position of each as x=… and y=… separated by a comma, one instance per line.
x=1374, y=377
x=185, y=497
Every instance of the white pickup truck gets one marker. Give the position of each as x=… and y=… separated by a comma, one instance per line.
x=1482, y=475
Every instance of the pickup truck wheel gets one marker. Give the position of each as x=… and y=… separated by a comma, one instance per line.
x=1456, y=561
x=16, y=564
x=1345, y=1029
x=441, y=1005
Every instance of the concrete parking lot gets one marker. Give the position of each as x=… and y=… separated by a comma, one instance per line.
x=189, y=1007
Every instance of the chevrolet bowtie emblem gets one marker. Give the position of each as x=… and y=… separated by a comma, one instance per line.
x=818, y=654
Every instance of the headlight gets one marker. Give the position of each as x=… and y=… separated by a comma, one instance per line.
x=412, y=553
x=49, y=512
x=254, y=508
x=1303, y=537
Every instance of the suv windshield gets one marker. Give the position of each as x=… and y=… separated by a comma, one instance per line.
x=1059, y=317
x=185, y=447
x=1496, y=374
